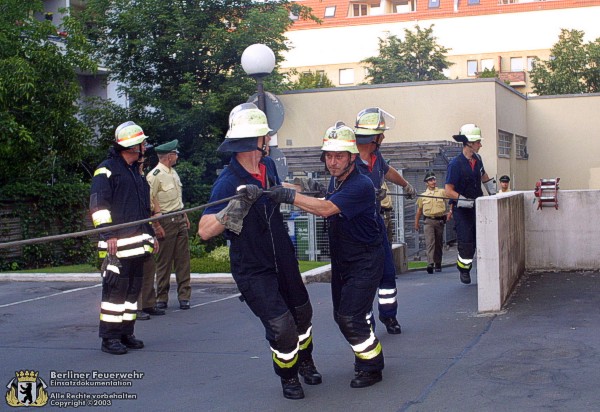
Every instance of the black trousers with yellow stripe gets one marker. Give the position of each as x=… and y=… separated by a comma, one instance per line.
x=119, y=302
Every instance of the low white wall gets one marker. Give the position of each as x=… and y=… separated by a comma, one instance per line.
x=567, y=238
x=500, y=248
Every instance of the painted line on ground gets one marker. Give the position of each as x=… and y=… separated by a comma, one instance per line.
x=64, y=292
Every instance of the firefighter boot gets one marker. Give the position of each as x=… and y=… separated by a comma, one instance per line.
x=391, y=325
x=465, y=276
x=309, y=372
x=131, y=342
x=362, y=379
x=292, y=389
x=113, y=346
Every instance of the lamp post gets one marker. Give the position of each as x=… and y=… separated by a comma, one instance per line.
x=258, y=61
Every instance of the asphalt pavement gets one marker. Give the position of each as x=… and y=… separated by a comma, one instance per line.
x=542, y=352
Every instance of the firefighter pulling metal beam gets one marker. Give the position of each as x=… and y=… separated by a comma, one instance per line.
x=263, y=261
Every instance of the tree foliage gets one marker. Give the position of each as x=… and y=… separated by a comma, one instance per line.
x=38, y=91
x=179, y=63
x=310, y=80
x=416, y=58
x=574, y=66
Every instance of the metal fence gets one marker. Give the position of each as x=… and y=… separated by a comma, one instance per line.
x=309, y=233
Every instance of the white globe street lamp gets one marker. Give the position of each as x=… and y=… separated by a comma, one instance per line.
x=258, y=61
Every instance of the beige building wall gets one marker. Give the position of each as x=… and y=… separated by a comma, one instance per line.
x=565, y=140
x=563, y=132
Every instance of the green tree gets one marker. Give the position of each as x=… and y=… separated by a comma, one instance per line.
x=416, y=58
x=574, y=66
x=310, y=80
x=38, y=92
x=179, y=63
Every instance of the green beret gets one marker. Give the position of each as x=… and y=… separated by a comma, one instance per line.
x=167, y=147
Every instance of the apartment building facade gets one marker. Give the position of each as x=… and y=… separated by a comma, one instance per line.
x=505, y=35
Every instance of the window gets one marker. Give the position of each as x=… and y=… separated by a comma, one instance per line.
x=330, y=11
x=521, y=146
x=530, y=60
x=359, y=9
x=516, y=64
x=504, y=143
x=434, y=4
x=346, y=76
x=487, y=64
x=293, y=16
x=472, y=68
x=472, y=2
x=405, y=6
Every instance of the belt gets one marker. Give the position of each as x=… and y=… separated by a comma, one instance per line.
x=435, y=217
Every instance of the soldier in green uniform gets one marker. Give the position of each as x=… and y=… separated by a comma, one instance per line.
x=434, y=211
x=165, y=192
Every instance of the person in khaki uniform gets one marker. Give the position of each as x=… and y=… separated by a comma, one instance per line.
x=504, y=184
x=165, y=191
x=434, y=211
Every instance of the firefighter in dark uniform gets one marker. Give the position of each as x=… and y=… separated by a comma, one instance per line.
x=357, y=256
x=263, y=260
x=120, y=194
x=371, y=123
x=463, y=185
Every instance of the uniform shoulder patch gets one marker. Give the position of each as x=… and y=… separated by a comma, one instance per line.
x=157, y=171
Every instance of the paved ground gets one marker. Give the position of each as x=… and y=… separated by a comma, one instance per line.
x=541, y=353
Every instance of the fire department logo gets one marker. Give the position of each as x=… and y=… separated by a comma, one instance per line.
x=26, y=389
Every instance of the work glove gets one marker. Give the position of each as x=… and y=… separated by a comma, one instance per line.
x=310, y=185
x=380, y=194
x=110, y=270
x=280, y=194
x=490, y=186
x=464, y=202
x=410, y=191
x=232, y=216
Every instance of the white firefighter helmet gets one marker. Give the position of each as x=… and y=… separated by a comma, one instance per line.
x=468, y=133
x=372, y=121
x=339, y=138
x=129, y=134
x=246, y=124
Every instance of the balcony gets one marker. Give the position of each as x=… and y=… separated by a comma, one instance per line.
x=513, y=78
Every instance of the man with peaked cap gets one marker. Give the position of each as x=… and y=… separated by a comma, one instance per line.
x=434, y=212
x=172, y=231
x=504, y=184
x=463, y=186
x=263, y=259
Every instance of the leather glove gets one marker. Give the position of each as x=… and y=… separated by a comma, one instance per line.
x=232, y=216
x=110, y=270
x=464, y=202
x=280, y=194
x=310, y=185
x=490, y=186
x=410, y=191
x=380, y=194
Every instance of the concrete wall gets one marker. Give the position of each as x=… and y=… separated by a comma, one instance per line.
x=564, y=140
x=424, y=111
x=500, y=248
x=563, y=239
x=563, y=132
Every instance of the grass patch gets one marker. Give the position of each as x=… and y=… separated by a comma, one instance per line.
x=417, y=265
x=198, y=265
